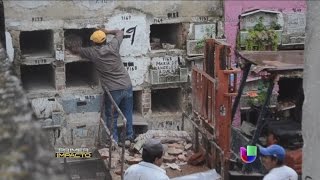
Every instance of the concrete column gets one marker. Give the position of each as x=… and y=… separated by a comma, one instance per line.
x=59, y=75
x=146, y=101
x=311, y=85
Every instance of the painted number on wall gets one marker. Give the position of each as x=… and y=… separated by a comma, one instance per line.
x=157, y=20
x=130, y=66
x=130, y=33
x=40, y=61
x=173, y=15
x=203, y=18
x=102, y=1
x=167, y=64
x=35, y=19
x=128, y=17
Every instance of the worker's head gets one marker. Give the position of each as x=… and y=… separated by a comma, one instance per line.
x=272, y=138
x=153, y=152
x=272, y=156
x=98, y=37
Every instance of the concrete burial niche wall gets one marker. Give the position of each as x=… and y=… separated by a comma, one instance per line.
x=80, y=74
x=293, y=16
x=31, y=20
x=37, y=77
x=36, y=32
x=136, y=33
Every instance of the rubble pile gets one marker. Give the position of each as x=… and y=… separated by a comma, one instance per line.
x=178, y=150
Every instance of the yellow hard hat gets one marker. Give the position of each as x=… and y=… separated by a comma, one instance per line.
x=98, y=36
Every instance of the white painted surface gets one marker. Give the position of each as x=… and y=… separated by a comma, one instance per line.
x=29, y=4
x=135, y=27
x=137, y=68
x=43, y=107
x=60, y=55
x=296, y=22
x=311, y=86
x=248, y=22
x=92, y=5
x=9, y=47
x=166, y=65
x=204, y=31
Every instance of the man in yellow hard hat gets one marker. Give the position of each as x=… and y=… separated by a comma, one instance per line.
x=113, y=75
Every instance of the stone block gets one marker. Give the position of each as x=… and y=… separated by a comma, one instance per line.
x=193, y=49
x=57, y=118
x=81, y=104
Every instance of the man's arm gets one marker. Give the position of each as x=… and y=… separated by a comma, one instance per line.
x=74, y=44
x=113, y=32
x=117, y=39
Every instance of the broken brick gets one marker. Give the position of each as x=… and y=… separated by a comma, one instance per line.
x=134, y=161
x=174, y=151
x=169, y=159
x=197, y=158
x=182, y=157
x=188, y=147
x=104, y=153
x=176, y=145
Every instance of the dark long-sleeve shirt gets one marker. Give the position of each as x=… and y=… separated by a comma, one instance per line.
x=107, y=61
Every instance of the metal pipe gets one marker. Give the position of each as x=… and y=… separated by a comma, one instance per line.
x=260, y=120
x=245, y=74
x=123, y=149
x=111, y=135
x=262, y=112
x=124, y=128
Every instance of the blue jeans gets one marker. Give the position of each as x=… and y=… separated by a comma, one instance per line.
x=124, y=99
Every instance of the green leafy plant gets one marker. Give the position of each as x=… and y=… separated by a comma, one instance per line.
x=260, y=38
x=275, y=26
x=208, y=34
x=259, y=26
x=200, y=44
x=258, y=97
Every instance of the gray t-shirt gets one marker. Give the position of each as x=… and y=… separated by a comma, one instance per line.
x=107, y=60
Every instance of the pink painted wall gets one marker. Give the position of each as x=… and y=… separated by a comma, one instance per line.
x=232, y=10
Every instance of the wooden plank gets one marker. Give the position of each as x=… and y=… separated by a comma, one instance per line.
x=209, y=102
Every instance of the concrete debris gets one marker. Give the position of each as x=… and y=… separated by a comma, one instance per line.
x=104, y=153
x=197, y=158
x=174, y=151
x=118, y=171
x=127, y=157
x=137, y=155
x=169, y=159
x=182, y=157
x=165, y=136
x=127, y=144
x=177, y=149
x=188, y=147
x=174, y=166
x=247, y=128
x=134, y=160
x=176, y=145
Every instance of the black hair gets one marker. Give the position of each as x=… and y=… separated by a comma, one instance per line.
x=276, y=137
x=279, y=162
x=150, y=157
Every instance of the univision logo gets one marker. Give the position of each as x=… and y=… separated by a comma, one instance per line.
x=249, y=154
